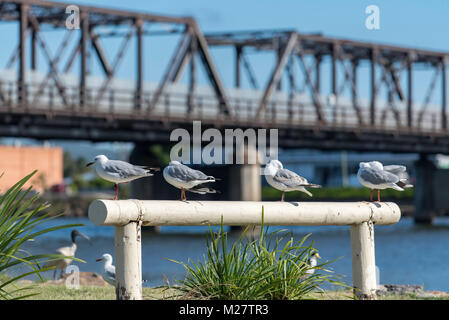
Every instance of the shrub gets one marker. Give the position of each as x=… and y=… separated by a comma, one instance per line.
x=255, y=269
x=20, y=213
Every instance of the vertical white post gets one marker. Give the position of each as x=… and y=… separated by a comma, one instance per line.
x=128, y=264
x=363, y=261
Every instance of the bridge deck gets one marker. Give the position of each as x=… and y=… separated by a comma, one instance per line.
x=114, y=116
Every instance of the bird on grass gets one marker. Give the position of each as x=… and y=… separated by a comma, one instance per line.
x=286, y=180
x=118, y=171
x=185, y=178
x=108, y=272
x=66, y=251
x=313, y=261
x=376, y=176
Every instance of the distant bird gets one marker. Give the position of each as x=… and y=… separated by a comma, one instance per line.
x=119, y=171
x=375, y=175
x=66, y=251
x=108, y=272
x=313, y=263
x=286, y=180
x=185, y=178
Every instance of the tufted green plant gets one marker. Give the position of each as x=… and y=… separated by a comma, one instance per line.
x=251, y=269
x=20, y=213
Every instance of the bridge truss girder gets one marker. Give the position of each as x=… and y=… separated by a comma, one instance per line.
x=389, y=61
x=32, y=15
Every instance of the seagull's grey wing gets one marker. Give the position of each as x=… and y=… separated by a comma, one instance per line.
x=202, y=190
x=401, y=173
x=378, y=176
x=395, y=169
x=184, y=173
x=124, y=169
x=289, y=178
x=109, y=275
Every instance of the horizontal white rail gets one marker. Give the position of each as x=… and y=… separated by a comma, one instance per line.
x=184, y=213
x=128, y=215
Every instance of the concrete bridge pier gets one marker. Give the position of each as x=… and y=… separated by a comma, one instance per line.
x=245, y=183
x=145, y=188
x=425, y=197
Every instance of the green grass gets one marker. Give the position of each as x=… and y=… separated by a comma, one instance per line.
x=59, y=292
x=336, y=193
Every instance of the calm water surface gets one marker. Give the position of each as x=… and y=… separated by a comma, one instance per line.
x=405, y=253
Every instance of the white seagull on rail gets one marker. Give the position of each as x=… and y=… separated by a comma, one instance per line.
x=375, y=175
x=185, y=178
x=120, y=171
x=286, y=180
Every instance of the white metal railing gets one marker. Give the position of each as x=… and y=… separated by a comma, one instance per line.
x=129, y=215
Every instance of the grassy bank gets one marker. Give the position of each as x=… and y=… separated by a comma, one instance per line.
x=58, y=292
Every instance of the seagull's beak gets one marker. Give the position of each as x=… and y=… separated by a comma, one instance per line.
x=318, y=255
x=99, y=259
x=89, y=164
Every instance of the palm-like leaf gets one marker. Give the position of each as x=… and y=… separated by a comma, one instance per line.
x=20, y=213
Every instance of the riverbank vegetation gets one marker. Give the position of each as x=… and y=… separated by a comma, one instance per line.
x=20, y=213
x=60, y=292
x=270, y=267
x=337, y=194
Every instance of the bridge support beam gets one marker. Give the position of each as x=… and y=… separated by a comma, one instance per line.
x=23, y=25
x=424, y=191
x=245, y=182
x=143, y=188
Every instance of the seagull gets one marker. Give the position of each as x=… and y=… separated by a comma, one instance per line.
x=108, y=273
x=375, y=175
x=119, y=171
x=313, y=262
x=66, y=251
x=185, y=178
x=286, y=180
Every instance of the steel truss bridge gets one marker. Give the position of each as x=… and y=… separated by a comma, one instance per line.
x=63, y=98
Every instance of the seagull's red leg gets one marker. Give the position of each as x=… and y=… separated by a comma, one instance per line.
x=283, y=194
x=378, y=195
x=371, y=195
x=183, y=195
x=116, y=191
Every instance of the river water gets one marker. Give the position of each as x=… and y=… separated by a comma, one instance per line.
x=405, y=253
